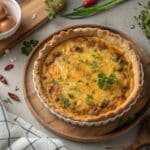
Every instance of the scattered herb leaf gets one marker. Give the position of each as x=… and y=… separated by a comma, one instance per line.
x=28, y=46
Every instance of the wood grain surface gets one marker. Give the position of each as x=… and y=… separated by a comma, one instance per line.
x=85, y=134
x=28, y=25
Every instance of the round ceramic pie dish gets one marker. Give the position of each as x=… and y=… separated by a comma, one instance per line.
x=88, y=75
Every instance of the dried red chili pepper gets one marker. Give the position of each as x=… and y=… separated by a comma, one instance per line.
x=14, y=97
x=3, y=80
x=9, y=67
x=88, y=3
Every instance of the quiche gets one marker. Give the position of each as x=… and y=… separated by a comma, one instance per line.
x=88, y=74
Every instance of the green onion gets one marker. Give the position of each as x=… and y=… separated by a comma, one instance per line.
x=85, y=12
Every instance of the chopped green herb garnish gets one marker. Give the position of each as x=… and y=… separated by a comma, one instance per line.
x=34, y=42
x=65, y=100
x=112, y=79
x=89, y=100
x=104, y=82
x=26, y=43
x=144, y=19
x=28, y=46
x=95, y=56
x=93, y=65
x=104, y=103
x=55, y=81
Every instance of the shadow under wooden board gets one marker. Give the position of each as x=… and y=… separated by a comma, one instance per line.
x=74, y=132
x=28, y=24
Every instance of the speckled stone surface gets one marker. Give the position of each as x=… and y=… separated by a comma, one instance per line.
x=120, y=17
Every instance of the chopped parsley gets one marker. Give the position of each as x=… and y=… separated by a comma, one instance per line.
x=95, y=56
x=112, y=79
x=93, y=65
x=104, y=82
x=65, y=100
x=104, y=103
x=55, y=81
x=89, y=100
x=144, y=19
x=28, y=46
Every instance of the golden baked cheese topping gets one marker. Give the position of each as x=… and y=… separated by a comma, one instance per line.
x=86, y=76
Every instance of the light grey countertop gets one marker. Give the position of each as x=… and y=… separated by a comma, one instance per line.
x=120, y=17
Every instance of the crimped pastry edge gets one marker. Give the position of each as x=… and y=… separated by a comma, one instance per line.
x=80, y=31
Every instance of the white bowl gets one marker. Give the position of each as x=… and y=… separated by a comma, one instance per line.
x=15, y=11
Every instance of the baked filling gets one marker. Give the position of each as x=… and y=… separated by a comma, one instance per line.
x=86, y=76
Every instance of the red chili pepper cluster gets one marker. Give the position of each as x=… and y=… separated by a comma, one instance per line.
x=4, y=81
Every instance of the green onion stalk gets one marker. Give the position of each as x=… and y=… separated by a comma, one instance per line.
x=86, y=12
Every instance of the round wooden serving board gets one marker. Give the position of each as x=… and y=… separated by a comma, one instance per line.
x=74, y=132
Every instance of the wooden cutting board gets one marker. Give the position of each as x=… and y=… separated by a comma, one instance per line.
x=74, y=132
x=28, y=25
